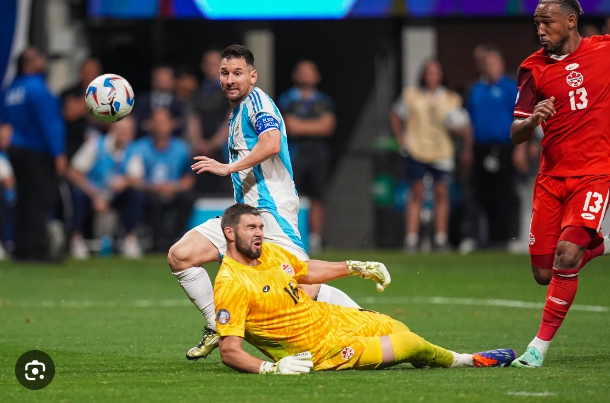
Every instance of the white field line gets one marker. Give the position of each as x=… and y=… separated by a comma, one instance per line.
x=364, y=301
x=531, y=394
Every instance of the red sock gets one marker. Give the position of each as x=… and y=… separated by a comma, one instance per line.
x=559, y=298
x=592, y=253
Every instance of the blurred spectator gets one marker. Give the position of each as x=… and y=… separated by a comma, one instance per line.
x=7, y=199
x=491, y=105
x=186, y=87
x=159, y=165
x=588, y=30
x=100, y=185
x=606, y=27
x=208, y=125
x=161, y=96
x=37, y=153
x=420, y=121
x=310, y=119
x=74, y=109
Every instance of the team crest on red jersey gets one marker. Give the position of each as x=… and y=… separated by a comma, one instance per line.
x=288, y=269
x=347, y=353
x=575, y=79
x=532, y=239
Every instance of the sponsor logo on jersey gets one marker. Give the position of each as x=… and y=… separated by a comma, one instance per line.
x=223, y=317
x=532, y=239
x=288, y=269
x=588, y=216
x=557, y=300
x=266, y=288
x=575, y=79
x=572, y=66
x=347, y=353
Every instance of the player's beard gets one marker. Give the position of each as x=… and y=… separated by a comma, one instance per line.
x=555, y=48
x=247, y=249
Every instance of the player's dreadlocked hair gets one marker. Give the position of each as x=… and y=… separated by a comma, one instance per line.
x=567, y=5
x=232, y=215
x=238, y=52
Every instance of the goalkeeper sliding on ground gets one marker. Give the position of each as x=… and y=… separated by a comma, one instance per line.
x=257, y=299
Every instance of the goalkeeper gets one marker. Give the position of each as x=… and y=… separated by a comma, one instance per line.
x=257, y=299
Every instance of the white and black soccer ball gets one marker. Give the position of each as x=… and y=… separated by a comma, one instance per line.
x=109, y=98
x=457, y=119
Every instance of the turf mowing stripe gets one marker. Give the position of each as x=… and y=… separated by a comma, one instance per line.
x=148, y=303
x=474, y=301
x=531, y=394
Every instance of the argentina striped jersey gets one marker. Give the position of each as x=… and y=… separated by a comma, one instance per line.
x=268, y=186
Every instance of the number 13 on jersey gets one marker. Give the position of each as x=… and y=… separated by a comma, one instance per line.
x=578, y=99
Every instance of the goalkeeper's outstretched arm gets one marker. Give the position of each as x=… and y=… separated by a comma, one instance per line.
x=319, y=271
x=234, y=356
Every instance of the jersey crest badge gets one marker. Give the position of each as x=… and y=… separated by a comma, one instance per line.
x=288, y=269
x=572, y=66
x=575, y=79
x=347, y=353
x=532, y=239
x=223, y=317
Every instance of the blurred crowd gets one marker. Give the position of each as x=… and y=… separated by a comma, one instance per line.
x=127, y=187
x=69, y=183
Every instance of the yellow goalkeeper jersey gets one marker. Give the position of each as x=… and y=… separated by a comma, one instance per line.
x=263, y=305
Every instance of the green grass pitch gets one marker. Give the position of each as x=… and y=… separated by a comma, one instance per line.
x=118, y=331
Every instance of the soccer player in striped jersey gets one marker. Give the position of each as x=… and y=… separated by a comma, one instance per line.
x=262, y=177
x=257, y=300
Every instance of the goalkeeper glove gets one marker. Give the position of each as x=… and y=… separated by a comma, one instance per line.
x=292, y=365
x=373, y=270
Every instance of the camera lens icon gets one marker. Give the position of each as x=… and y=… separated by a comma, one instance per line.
x=35, y=370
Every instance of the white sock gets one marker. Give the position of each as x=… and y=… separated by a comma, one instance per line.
x=540, y=345
x=412, y=239
x=440, y=238
x=461, y=360
x=335, y=296
x=197, y=285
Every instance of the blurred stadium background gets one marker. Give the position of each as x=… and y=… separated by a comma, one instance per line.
x=366, y=51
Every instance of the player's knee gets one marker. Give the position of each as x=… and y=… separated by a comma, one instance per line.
x=178, y=256
x=542, y=276
x=568, y=256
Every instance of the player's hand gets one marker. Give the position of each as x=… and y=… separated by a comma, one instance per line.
x=292, y=365
x=205, y=164
x=543, y=110
x=371, y=270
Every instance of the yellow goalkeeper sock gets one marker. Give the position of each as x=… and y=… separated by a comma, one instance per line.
x=409, y=347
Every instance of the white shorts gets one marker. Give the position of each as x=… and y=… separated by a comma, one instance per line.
x=273, y=233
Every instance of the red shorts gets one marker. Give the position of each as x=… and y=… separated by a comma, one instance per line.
x=561, y=202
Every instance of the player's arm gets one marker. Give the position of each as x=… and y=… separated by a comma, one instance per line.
x=521, y=130
x=530, y=109
x=234, y=356
x=319, y=271
x=267, y=146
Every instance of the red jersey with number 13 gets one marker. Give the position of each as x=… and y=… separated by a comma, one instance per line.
x=577, y=138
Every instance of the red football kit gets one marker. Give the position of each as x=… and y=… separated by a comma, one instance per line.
x=572, y=187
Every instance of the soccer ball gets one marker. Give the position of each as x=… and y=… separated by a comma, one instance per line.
x=109, y=98
x=457, y=119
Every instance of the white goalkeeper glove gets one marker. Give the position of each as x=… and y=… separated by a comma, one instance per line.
x=292, y=365
x=373, y=270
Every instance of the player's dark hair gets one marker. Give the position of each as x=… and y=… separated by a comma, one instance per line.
x=232, y=215
x=238, y=52
x=569, y=6
x=22, y=59
x=422, y=73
